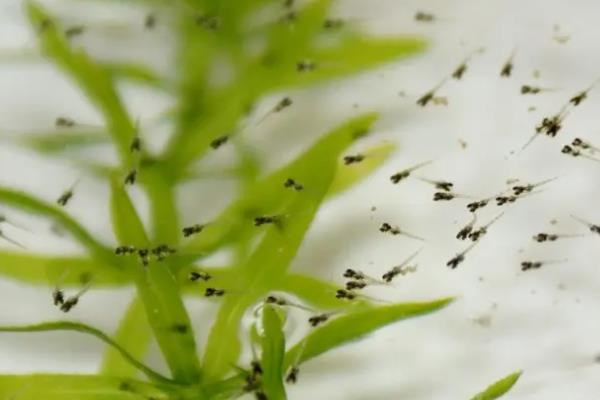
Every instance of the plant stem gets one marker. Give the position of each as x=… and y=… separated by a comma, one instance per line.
x=163, y=211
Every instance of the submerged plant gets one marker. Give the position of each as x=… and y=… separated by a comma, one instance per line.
x=264, y=46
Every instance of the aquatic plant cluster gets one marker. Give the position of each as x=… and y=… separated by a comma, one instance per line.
x=267, y=47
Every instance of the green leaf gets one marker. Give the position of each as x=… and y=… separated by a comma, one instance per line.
x=223, y=346
x=354, y=325
x=163, y=208
x=301, y=32
x=79, y=327
x=206, y=112
x=61, y=141
x=315, y=170
x=349, y=175
x=136, y=73
x=202, y=113
x=127, y=225
x=313, y=291
x=268, y=264
x=46, y=269
x=91, y=77
x=159, y=291
x=353, y=54
x=99, y=170
x=31, y=204
x=273, y=350
x=75, y=387
x=266, y=195
x=133, y=333
x=221, y=111
x=499, y=388
x=226, y=389
x=219, y=277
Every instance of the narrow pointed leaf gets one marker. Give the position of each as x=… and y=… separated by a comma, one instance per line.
x=163, y=209
x=221, y=110
x=273, y=350
x=306, y=26
x=348, y=175
x=315, y=292
x=48, y=270
x=31, y=204
x=202, y=112
x=104, y=172
x=208, y=113
x=499, y=388
x=226, y=389
x=127, y=224
x=91, y=77
x=134, y=334
x=219, y=277
x=75, y=387
x=136, y=73
x=61, y=141
x=79, y=327
x=354, y=54
x=158, y=290
x=268, y=264
x=354, y=325
x=267, y=194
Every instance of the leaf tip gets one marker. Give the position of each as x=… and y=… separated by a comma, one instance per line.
x=443, y=302
x=362, y=123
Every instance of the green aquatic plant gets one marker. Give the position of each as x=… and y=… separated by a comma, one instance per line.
x=266, y=46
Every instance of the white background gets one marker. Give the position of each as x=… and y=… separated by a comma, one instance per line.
x=544, y=322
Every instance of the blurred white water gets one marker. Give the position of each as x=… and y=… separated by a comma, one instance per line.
x=544, y=322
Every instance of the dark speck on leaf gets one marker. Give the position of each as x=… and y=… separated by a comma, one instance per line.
x=126, y=387
x=180, y=328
